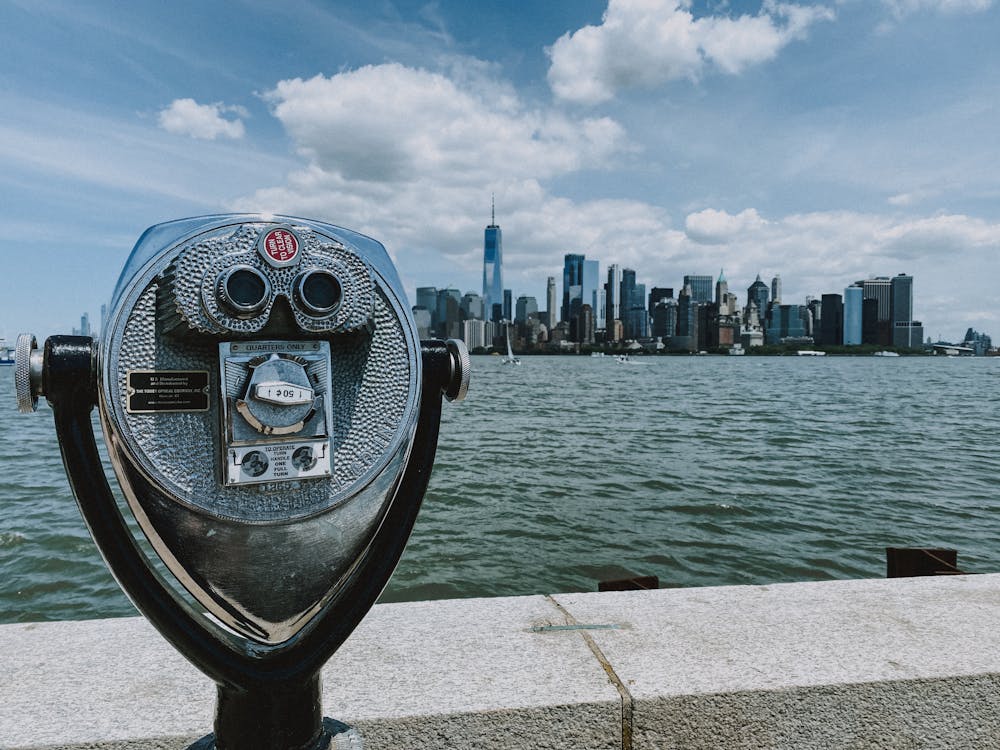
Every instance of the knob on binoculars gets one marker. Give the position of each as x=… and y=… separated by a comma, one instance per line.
x=272, y=419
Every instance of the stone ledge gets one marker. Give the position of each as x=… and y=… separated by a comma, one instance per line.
x=901, y=663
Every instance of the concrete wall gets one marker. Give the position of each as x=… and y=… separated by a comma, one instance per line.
x=904, y=663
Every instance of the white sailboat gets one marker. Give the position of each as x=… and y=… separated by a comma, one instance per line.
x=510, y=359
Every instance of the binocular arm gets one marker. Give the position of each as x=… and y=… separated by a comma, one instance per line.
x=255, y=680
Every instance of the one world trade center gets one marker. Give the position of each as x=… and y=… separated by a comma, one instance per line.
x=493, y=271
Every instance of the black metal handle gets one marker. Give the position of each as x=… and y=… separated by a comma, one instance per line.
x=257, y=682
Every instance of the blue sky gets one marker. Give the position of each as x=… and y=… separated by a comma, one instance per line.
x=822, y=141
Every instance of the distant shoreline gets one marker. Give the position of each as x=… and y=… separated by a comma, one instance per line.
x=765, y=352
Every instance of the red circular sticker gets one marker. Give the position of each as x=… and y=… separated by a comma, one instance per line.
x=281, y=245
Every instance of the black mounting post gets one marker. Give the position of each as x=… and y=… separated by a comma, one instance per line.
x=268, y=695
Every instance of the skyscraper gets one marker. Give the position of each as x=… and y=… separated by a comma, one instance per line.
x=880, y=290
x=572, y=286
x=422, y=317
x=591, y=288
x=658, y=294
x=901, y=298
x=873, y=330
x=633, y=306
x=701, y=288
x=585, y=325
x=472, y=306
x=813, y=318
x=524, y=308
x=776, y=289
x=638, y=314
x=687, y=320
x=664, y=315
x=477, y=334
x=832, y=320
x=493, y=270
x=906, y=333
x=725, y=302
x=613, y=299
x=852, y=315
x=449, y=313
x=427, y=299
x=786, y=322
x=757, y=293
x=550, y=301
x=721, y=289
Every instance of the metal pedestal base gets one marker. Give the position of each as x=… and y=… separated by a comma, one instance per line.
x=268, y=696
x=336, y=736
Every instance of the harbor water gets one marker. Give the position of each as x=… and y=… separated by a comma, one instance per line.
x=564, y=471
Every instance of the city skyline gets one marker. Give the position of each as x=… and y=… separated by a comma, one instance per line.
x=577, y=284
x=876, y=311
x=820, y=139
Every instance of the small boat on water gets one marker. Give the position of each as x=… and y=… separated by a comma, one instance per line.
x=6, y=353
x=510, y=359
x=810, y=353
x=885, y=354
x=627, y=359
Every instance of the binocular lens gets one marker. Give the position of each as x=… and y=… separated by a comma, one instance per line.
x=318, y=292
x=244, y=290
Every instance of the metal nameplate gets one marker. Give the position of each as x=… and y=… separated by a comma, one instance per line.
x=158, y=391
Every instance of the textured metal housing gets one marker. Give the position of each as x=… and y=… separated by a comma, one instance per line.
x=262, y=558
x=188, y=289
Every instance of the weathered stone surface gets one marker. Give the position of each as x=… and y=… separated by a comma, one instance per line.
x=873, y=663
x=464, y=673
x=907, y=663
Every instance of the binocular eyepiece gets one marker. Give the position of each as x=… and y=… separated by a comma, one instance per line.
x=272, y=419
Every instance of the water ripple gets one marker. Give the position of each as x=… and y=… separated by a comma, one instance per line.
x=569, y=470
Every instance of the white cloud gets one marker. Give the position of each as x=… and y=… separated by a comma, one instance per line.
x=390, y=123
x=645, y=43
x=205, y=121
x=822, y=252
x=903, y=199
x=410, y=157
x=938, y=236
x=712, y=227
x=902, y=8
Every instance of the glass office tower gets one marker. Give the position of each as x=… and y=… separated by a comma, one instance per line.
x=701, y=287
x=592, y=290
x=758, y=294
x=613, y=298
x=572, y=286
x=493, y=272
x=852, y=315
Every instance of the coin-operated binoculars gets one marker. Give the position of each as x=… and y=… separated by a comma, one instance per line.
x=272, y=419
